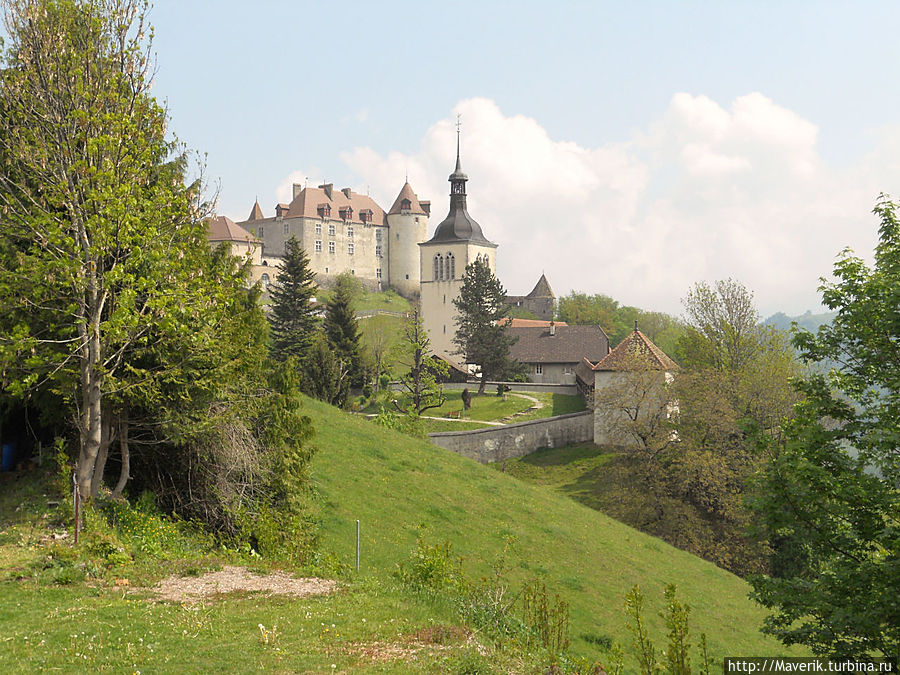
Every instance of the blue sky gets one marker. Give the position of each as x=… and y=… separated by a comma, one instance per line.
x=626, y=148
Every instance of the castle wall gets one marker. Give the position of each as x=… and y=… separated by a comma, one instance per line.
x=496, y=444
x=406, y=231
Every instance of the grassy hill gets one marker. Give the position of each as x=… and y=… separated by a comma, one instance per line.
x=397, y=486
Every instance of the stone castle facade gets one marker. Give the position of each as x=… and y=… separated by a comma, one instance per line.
x=343, y=231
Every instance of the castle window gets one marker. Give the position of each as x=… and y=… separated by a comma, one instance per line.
x=318, y=245
x=451, y=266
x=377, y=250
x=366, y=215
x=378, y=235
x=538, y=368
x=346, y=213
x=349, y=231
x=405, y=205
x=318, y=228
x=260, y=233
x=407, y=276
x=286, y=229
x=350, y=249
x=324, y=210
x=264, y=280
x=378, y=273
x=438, y=265
x=331, y=247
x=331, y=230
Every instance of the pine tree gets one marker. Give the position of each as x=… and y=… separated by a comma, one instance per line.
x=343, y=333
x=481, y=335
x=292, y=319
x=422, y=380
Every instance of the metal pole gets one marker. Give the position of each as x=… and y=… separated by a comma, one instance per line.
x=357, y=545
x=76, y=499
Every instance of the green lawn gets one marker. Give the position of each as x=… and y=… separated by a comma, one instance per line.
x=398, y=487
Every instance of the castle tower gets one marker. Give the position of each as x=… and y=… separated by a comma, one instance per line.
x=456, y=243
x=408, y=225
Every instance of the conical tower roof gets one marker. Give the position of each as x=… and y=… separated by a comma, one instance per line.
x=406, y=192
x=541, y=289
x=256, y=212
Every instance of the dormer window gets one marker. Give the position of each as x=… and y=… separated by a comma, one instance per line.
x=366, y=215
x=405, y=205
x=324, y=210
x=346, y=213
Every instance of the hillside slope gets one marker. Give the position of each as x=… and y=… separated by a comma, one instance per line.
x=395, y=484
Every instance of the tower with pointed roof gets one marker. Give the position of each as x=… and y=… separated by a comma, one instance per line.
x=457, y=241
x=408, y=225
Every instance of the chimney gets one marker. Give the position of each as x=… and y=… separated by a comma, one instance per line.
x=297, y=189
x=346, y=192
x=329, y=189
x=552, y=328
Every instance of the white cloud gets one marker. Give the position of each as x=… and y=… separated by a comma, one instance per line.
x=703, y=193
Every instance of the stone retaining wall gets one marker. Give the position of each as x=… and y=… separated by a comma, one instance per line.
x=495, y=444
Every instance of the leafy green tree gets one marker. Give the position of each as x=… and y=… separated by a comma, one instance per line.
x=831, y=488
x=581, y=309
x=481, y=335
x=343, y=333
x=424, y=374
x=103, y=240
x=292, y=318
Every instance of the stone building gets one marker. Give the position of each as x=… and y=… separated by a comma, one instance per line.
x=627, y=390
x=223, y=230
x=541, y=302
x=343, y=231
x=457, y=242
x=553, y=352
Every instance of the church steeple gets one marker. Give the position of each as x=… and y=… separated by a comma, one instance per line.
x=458, y=178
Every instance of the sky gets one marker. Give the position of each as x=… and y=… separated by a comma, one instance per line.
x=624, y=148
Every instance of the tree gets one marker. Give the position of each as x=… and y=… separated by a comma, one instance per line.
x=325, y=375
x=831, y=488
x=104, y=243
x=481, y=335
x=292, y=319
x=422, y=380
x=343, y=334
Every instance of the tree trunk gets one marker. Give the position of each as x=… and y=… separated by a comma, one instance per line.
x=124, y=475
x=90, y=431
x=483, y=383
x=102, y=454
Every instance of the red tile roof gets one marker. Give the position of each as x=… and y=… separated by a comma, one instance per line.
x=307, y=201
x=256, y=212
x=406, y=192
x=223, y=228
x=532, y=323
x=635, y=352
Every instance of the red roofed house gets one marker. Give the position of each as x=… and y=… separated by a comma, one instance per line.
x=222, y=229
x=552, y=351
x=627, y=388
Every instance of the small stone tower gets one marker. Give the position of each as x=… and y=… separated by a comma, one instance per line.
x=408, y=225
x=456, y=243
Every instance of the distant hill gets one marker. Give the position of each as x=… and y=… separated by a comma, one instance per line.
x=807, y=321
x=399, y=486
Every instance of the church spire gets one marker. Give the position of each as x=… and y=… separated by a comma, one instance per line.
x=458, y=178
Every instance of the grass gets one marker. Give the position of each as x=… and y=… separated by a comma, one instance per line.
x=493, y=408
x=385, y=300
x=399, y=486
x=62, y=609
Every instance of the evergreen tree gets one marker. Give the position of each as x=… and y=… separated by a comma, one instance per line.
x=292, y=320
x=343, y=334
x=481, y=335
x=325, y=376
x=422, y=380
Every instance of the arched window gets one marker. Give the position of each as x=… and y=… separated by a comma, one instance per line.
x=451, y=266
x=443, y=268
x=264, y=279
x=437, y=267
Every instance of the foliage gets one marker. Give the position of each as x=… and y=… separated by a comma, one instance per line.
x=342, y=331
x=831, y=489
x=481, y=324
x=675, y=660
x=581, y=309
x=422, y=379
x=292, y=318
x=114, y=300
x=325, y=375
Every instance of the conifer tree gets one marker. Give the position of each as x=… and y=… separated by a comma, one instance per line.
x=343, y=333
x=292, y=320
x=481, y=335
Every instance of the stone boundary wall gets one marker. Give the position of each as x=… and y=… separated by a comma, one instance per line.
x=494, y=444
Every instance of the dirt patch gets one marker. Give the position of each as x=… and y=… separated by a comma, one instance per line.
x=428, y=641
x=232, y=579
